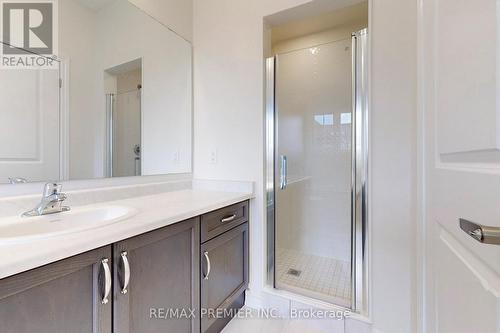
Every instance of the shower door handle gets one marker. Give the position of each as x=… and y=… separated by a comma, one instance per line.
x=283, y=174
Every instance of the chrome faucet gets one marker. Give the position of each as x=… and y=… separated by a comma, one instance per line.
x=17, y=180
x=51, y=201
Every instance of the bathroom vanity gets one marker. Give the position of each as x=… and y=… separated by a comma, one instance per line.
x=136, y=246
x=189, y=264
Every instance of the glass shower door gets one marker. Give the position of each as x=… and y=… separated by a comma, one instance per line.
x=316, y=179
x=313, y=100
x=316, y=137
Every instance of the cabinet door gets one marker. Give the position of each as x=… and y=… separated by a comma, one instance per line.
x=224, y=277
x=65, y=296
x=161, y=281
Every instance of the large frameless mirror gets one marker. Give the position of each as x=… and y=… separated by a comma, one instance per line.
x=108, y=95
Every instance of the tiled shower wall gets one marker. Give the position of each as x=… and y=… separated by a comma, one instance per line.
x=313, y=95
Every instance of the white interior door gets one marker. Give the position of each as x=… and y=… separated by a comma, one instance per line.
x=461, y=126
x=29, y=124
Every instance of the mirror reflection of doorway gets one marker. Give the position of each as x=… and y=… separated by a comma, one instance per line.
x=123, y=119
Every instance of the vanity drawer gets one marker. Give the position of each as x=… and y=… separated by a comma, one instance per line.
x=222, y=220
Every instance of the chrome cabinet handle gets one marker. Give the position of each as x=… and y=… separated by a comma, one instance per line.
x=107, y=280
x=126, y=272
x=208, y=265
x=228, y=218
x=284, y=171
x=481, y=233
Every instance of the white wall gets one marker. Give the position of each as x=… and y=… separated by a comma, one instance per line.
x=393, y=163
x=229, y=48
x=175, y=14
x=228, y=99
x=85, y=147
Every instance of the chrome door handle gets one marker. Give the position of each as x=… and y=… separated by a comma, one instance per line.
x=284, y=171
x=126, y=272
x=107, y=280
x=481, y=233
x=228, y=218
x=208, y=265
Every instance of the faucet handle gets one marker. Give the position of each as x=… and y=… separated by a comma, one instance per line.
x=52, y=188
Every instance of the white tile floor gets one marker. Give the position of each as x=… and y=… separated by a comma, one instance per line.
x=327, y=279
x=261, y=325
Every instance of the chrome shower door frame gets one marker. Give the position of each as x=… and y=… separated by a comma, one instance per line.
x=110, y=114
x=359, y=181
x=270, y=132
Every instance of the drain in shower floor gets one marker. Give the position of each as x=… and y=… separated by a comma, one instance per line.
x=294, y=272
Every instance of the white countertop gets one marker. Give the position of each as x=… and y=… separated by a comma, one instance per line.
x=154, y=211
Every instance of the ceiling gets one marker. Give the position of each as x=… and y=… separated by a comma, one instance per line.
x=126, y=67
x=302, y=21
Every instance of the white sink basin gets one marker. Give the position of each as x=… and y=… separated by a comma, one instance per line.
x=19, y=229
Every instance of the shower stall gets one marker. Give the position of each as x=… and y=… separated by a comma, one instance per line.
x=317, y=148
x=123, y=133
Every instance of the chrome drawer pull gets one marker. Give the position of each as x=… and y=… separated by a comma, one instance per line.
x=228, y=218
x=481, y=233
x=208, y=265
x=126, y=272
x=107, y=280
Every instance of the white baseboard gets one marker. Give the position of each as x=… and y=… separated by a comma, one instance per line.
x=284, y=301
x=352, y=325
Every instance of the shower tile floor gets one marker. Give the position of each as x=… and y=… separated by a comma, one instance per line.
x=327, y=279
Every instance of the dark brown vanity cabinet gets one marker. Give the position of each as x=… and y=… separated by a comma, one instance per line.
x=66, y=296
x=156, y=285
x=166, y=280
x=224, y=273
